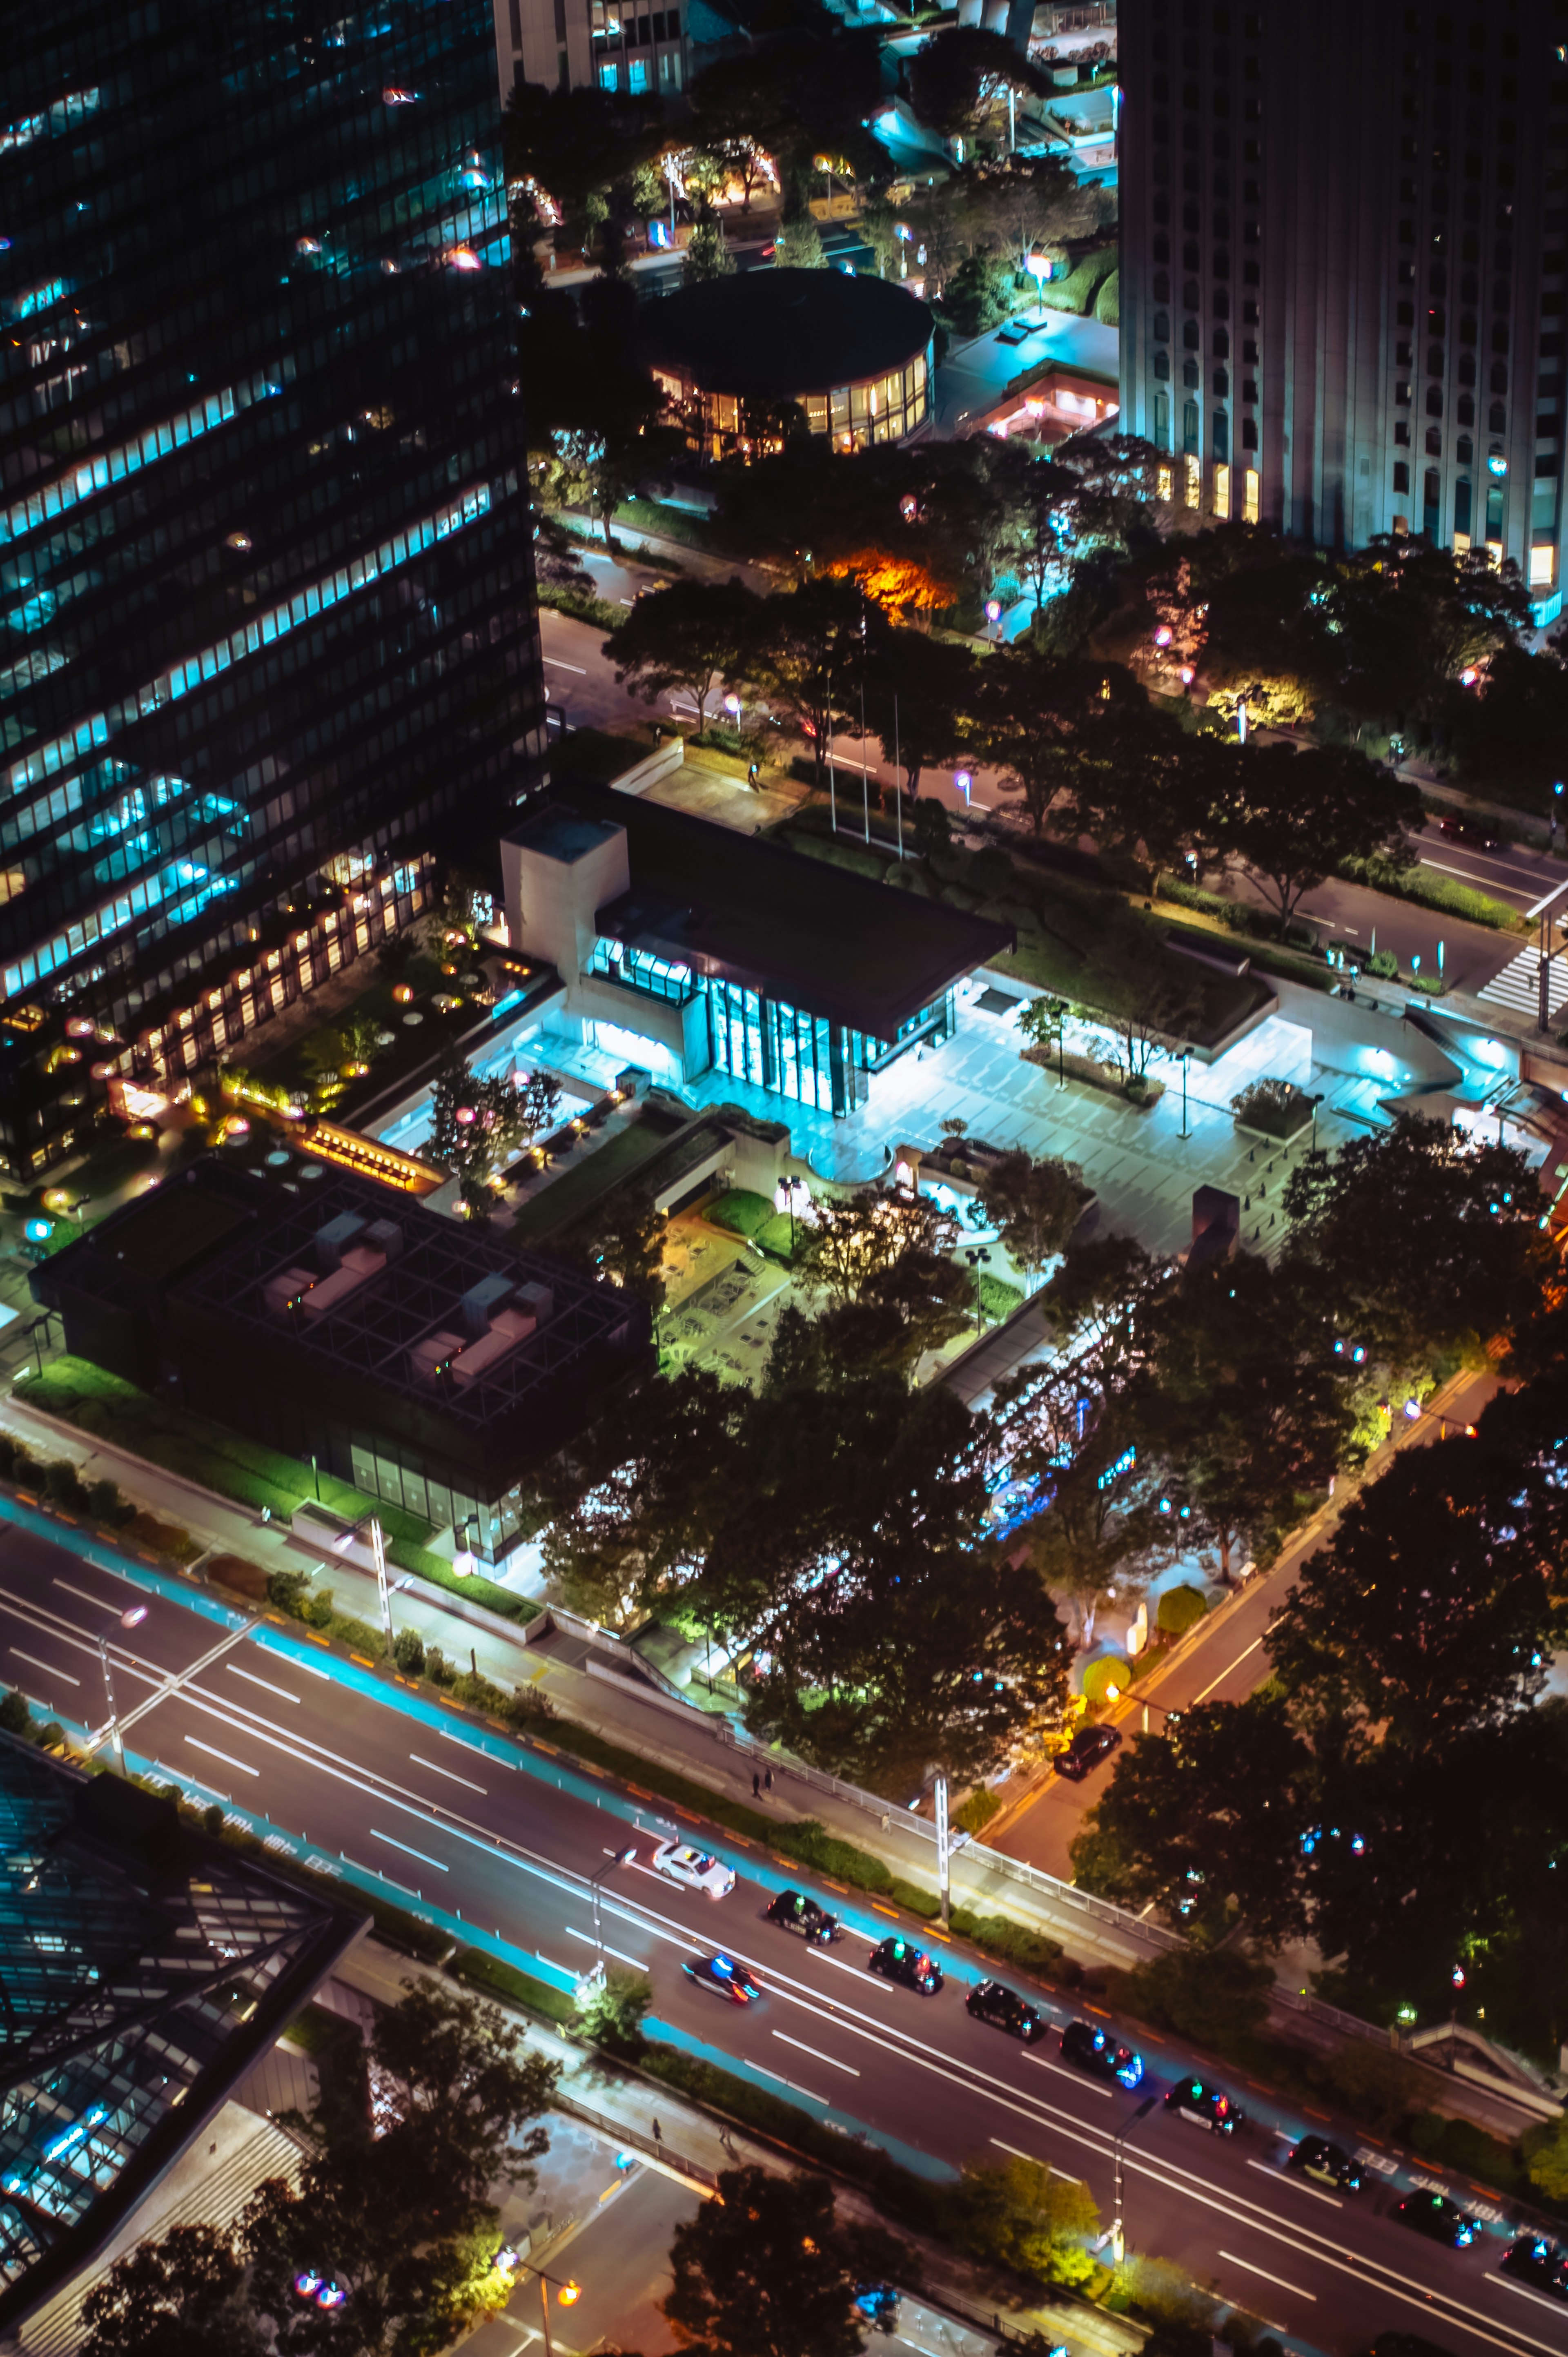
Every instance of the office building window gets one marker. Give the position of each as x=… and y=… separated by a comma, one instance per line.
x=1222, y=493
x=1162, y=424
x=1542, y=566
x=1221, y=436
x=1251, y=493
x=1189, y=426
x=1192, y=482
x=1401, y=476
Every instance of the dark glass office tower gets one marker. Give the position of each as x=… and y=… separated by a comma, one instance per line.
x=1345, y=266
x=266, y=621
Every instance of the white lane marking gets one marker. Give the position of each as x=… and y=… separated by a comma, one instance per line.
x=554, y=1967
x=475, y=1753
x=102, y=1604
x=48, y=1667
x=587, y=1938
x=1078, y=2078
x=1226, y=1672
x=451, y=1773
x=1284, y=2176
x=316, y=1671
x=1278, y=2281
x=1013, y=2149
x=377, y=1834
x=1540, y=2298
x=555, y=663
x=253, y=1680
x=1388, y=2281
x=817, y=2056
x=229, y=1761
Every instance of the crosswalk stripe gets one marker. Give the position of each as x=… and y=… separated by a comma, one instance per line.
x=1519, y=984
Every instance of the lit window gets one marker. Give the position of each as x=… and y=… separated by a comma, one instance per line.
x=1543, y=567
x=1222, y=493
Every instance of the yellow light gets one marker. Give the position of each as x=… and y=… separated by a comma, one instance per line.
x=569, y=2294
x=1112, y=1694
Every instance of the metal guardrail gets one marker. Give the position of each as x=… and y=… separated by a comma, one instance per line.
x=630, y=2139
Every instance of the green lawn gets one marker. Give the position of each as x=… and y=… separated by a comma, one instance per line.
x=577, y=1191
x=246, y=1470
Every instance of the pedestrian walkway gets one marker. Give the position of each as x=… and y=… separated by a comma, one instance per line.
x=1519, y=984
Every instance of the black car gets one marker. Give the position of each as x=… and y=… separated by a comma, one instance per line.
x=1460, y=826
x=1536, y=2261
x=795, y=1912
x=1206, y=2107
x=897, y=1960
x=1005, y=2009
x=1089, y=1747
x=1440, y=2220
x=1093, y=2050
x=725, y=1978
x=1330, y=2164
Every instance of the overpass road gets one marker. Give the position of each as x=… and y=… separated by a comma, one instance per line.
x=474, y=1824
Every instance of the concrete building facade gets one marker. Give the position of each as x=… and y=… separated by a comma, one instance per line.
x=1343, y=266
x=592, y=45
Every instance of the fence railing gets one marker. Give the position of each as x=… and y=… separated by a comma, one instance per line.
x=630, y=2139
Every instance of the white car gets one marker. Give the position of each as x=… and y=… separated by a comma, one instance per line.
x=695, y=1868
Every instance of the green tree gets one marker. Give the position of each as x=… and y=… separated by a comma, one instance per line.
x=623, y=1238
x=1409, y=619
x=1246, y=1400
x=1417, y=1238
x=919, y=691
x=1292, y=817
x=1216, y=1998
x=958, y=80
x=1022, y=2216
x=610, y=2006
x=767, y=2270
x=798, y=245
x=1033, y=1205
x=691, y=636
x=1210, y=1813
x=804, y=650
x=850, y=1242
x=1055, y=729
x=477, y=1125
x=182, y=2296
x=404, y=2221
x=706, y=255
x=1430, y=1611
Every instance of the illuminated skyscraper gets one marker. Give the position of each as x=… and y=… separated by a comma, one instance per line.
x=266, y=619
x=1343, y=265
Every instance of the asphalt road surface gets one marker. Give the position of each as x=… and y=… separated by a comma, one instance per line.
x=1224, y=1668
x=471, y=1824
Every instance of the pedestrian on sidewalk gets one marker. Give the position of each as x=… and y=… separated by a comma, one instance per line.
x=756, y=1785
x=768, y=1779
x=658, y=2133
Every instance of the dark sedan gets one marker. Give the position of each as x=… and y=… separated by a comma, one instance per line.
x=899, y=1960
x=1005, y=2009
x=1329, y=2164
x=1463, y=826
x=794, y=1912
x=1533, y=2260
x=725, y=1978
x=1206, y=2107
x=1089, y=1747
x=1440, y=2220
x=1093, y=2050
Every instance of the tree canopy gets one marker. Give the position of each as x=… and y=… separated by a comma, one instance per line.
x=768, y=2270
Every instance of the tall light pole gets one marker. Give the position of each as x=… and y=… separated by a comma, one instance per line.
x=595, y=1882
x=131, y=1617
x=897, y=779
x=1118, y=2223
x=377, y=1548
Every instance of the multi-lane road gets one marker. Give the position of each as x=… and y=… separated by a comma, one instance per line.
x=506, y=1837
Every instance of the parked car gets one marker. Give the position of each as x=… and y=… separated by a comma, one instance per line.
x=1089, y=1747
x=1005, y=2009
x=696, y=1868
x=1438, y=2218
x=1533, y=2260
x=725, y=1976
x=899, y=1960
x=794, y=1912
x=1330, y=2164
x=1206, y=2107
x=1093, y=2051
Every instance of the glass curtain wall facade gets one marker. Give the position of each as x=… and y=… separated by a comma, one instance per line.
x=265, y=599
x=806, y=1056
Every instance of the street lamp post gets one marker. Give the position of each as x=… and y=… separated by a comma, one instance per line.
x=567, y=2292
x=1185, y=1060
x=596, y=1883
x=131, y=1617
x=1118, y=2224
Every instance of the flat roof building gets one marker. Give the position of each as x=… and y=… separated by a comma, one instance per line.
x=417, y=1357
x=148, y=1969
x=733, y=355
x=692, y=949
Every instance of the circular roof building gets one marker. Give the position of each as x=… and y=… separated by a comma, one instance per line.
x=733, y=355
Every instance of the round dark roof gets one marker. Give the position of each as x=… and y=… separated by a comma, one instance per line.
x=782, y=332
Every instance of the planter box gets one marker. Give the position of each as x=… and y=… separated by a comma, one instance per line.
x=1108, y=1077
x=1277, y=1129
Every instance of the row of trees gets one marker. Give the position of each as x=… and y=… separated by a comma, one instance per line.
x=839, y=1527
x=1077, y=738
x=1396, y=1791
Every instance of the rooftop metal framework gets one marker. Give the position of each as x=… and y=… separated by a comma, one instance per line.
x=144, y=1969
x=416, y=1295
